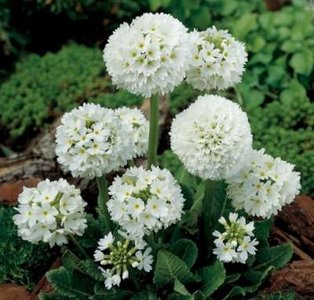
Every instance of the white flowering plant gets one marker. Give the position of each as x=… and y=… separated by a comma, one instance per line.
x=199, y=233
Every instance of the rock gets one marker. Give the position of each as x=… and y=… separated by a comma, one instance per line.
x=10, y=291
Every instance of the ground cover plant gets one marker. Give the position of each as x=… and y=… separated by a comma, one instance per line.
x=199, y=233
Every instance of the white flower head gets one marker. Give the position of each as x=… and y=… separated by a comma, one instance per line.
x=212, y=137
x=119, y=258
x=92, y=141
x=236, y=242
x=264, y=185
x=138, y=127
x=149, y=56
x=150, y=200
x=217, y=60
x=53, y=210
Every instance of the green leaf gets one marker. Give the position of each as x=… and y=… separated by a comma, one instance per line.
x=262, y=229
x=255, y=279
x=235, y=291
x=180, y=288
x=277, y=257
x=186, y=250
x=295, y=90
x=212, y=278
x=53, y=296
x=69, y=285
x=88, y=267
x=169, y=267
x=114, y=294
x=219, y=201
x=144, y=296
x=232, y=278
x=256, y=43
x=245, y=24
x=302, y=62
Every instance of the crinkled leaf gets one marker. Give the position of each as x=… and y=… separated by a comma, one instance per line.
x=212, y=278
x=69, y=284
x=180, y=288
x=277, y=257
x=186, y=250
x=114, y=294
x=169, y=267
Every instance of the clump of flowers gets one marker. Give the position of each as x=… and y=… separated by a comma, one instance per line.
x=217, y=60
x=145, y=200
x=118, y=256
x=212, y=137
x=92, y=141
x=237, y=241
x=50, y=212
x=138, y=127
x=264, y=185
x=149, y=56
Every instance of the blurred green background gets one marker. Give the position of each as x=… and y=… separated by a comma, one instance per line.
x=51, y=61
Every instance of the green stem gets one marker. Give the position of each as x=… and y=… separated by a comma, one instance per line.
x=207, y=211
x=153, y=131
x=102, y=202
x=78, y=246
x=151, y=242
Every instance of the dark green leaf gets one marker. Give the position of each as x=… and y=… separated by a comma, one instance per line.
x=277, y=257
x=169, y=267
x=180, y=288
x=212, y=278
x=186, y=250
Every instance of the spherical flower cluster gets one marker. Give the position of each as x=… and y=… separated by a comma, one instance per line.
x=264, y=186
x=118, y=256
x=92, y=141
x=237, y=241
x=50, y=212
x=145, y=200
x=149, y=56
x=217, y=60
x=138, y=127
x=212, y=137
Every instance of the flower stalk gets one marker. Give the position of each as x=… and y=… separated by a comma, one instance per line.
x=153, y=131
x=207, y=211
x=102, y=202
x=78, y=246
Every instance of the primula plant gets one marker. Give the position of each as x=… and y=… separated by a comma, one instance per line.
x=200, y=233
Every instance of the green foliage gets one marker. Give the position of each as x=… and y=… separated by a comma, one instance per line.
x=169, y=267
x=43, y=87
x=21, y=262
x=83, y=9
x=212, y=278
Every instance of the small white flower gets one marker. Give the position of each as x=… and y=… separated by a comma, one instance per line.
x=212, y=137
x=153, y=57
x=106, y=242
x=44, y=217
x=152, y=200
x=235, y=243
x=92, y=141
x=138, y=127
x=264, y=185
x=217, y=60
x=99, y=255
x=145, y=260
x=120, y=257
